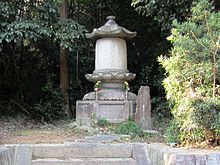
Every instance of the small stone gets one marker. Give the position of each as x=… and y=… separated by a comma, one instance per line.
x=173, y=144
x=151, y=131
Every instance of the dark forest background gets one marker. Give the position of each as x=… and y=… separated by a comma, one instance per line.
x=44, y=54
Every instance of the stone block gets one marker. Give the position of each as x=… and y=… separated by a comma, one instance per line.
x=23, y=154
x=86, y=161
x=213, y=158
x=84, y=112
x=6, y=156
x=143, y=108
x=82, y=150
x=114, y=111
x=140, y=154
x=116, y=94
x=160, y=154
x=16, y=155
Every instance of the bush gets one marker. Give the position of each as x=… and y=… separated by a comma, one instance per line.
x=160, y=107
x=172, y=133
x=206, y=112
x=193, y=77
x=103, y=122
x=50, y=107
x=130, y=128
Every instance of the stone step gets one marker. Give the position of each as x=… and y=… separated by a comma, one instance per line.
x=82, y=150
x=85, y=161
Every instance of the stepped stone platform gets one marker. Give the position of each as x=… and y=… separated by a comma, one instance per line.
x=104, y=151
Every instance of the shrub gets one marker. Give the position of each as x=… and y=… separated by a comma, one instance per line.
x=103, y=122
x=50, y=106
x=193, y=77
x=129, y=127
x=160, y=107
x=172, y=132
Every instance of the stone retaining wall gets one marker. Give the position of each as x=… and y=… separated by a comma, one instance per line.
x=164, y=155
x=6, y=156
x=143, y=154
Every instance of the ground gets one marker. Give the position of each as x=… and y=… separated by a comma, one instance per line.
x=25, y=130
x=22, y=130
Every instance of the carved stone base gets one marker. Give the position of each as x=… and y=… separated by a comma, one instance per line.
x=110, y=95
x=113, y=111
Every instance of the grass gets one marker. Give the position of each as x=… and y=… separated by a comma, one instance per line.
x=25, y=132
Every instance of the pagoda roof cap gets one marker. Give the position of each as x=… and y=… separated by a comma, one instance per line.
x=111, y=29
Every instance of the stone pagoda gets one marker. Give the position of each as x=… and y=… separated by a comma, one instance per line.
x=112, y=101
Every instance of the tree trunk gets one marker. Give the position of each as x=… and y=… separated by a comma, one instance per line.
x=64, y=65
x=216, y=48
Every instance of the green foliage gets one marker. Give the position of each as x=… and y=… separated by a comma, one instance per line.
x=30, y=35
x=41, y=23
x=206, y=113
x=67, y=31
x=129, y=128
x=103, y=122
x=50, y=105
x=164, y=11
x=192, y=70
x=172, y=133
x=160, y=107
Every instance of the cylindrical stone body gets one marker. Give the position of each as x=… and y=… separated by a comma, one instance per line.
x=111, y=55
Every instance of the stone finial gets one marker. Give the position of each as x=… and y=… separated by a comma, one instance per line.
x=111, y=17
x=111, y=29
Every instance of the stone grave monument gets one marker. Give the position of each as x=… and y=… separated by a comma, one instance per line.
x=111, y=99
x=143, y=108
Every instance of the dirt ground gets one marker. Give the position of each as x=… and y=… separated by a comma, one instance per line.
x=24, y=130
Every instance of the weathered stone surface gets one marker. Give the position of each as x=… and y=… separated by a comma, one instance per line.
x=82, y=150
x=84, y=112
x=143, y=108
x=110, y=95
x=140, y=154
x=113, y=111
x=6, y=156
x=18, y=154
x=160, y=154
x=99, y=138
x=23, y=154
x=106, y=154
x=88, y=161
x=113, y=49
